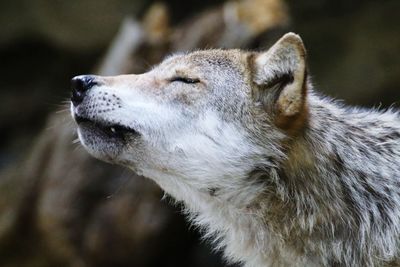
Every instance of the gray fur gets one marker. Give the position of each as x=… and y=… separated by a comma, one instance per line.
x=274, y=173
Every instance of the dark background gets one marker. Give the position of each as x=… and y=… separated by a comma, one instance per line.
x=353, y=51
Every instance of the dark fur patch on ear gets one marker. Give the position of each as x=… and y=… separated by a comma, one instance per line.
x=282, y=79
x=279, y=82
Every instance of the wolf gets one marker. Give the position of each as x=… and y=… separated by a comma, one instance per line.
x=273, y=172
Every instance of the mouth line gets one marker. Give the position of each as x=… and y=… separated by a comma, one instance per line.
x=109, y=128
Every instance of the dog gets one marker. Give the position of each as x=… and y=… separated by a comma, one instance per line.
x=275, y=173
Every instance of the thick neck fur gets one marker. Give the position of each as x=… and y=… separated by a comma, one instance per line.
x=333, y=202
x=342, y=186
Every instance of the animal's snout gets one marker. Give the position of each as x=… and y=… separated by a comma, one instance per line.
x=80, y=85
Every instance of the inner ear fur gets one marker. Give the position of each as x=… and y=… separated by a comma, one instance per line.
x=280, y=76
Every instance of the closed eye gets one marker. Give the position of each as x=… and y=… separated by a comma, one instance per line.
x=184, y=80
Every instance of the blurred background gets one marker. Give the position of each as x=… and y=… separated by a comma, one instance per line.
x=60, y=207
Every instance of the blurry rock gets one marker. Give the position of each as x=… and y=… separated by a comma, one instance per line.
x=156, y=24
x=130, y=36
x=235, y=24
x=77, y=25
x=137, y=45
x=245, y=23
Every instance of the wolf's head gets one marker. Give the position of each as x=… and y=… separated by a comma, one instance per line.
x=198, y=122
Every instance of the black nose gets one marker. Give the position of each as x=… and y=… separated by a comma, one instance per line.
x=80, y=85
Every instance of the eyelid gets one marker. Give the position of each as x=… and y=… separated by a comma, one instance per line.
x=184, y=80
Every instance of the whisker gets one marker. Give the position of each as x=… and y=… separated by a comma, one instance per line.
x=62, y=110
x=77, y=147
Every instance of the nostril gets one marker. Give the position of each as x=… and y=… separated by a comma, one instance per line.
x=77, y=97
x=80, y=85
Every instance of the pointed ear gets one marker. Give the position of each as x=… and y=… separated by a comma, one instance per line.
x=280, y=76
